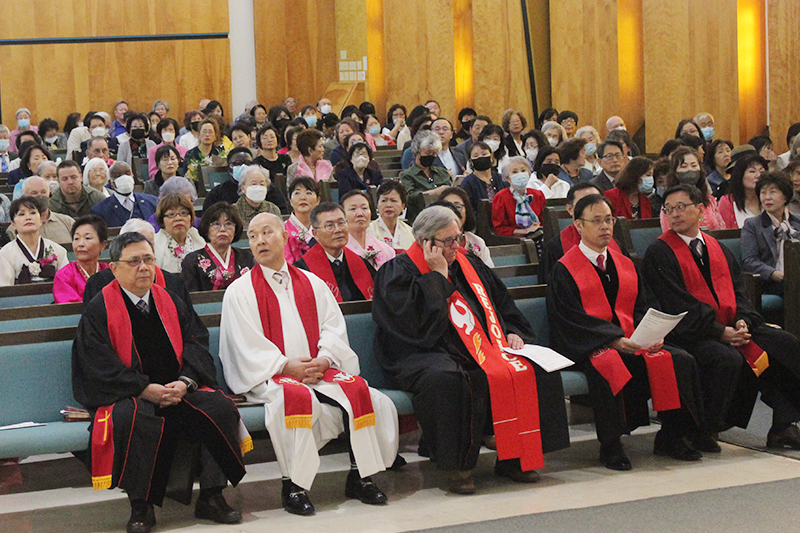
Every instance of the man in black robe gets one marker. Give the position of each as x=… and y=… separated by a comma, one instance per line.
x=730, y=384
x=348, y=275
x=422, y=351
x=141, y=365
x=579, y=331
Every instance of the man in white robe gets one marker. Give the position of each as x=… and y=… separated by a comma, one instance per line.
x=251, y=360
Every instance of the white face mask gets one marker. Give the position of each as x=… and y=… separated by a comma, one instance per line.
x=53, y=185
x=99, y=132
x=256, y=193
x=325, y=109
x=51, y=140
x=492, y=144
x=168, y=136
x=532, y=153
x=124, y=184
x=4, y=144
x=553, y=141
x=360, y=161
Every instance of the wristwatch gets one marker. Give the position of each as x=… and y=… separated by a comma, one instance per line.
x=191, y=385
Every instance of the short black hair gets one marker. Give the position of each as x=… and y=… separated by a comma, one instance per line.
x=388, y=186
x=264, y=129
x=368, y=108
x=31, y=202
x=694, y=193
x=363, y=194
x=213, y=213
x=99, y=225
x=670, y=146
x=48, y=124
x=466, y=111
x=760, y=141
x=307, y=183
x=564, y=115
x=570, y=149
x=166, y=121
x=240, y=150
x=328, y=120
x=779, y=179
x=119, y=244
x=324, y=207
x=469, y=214
x=138, y=116
x=36, y=138
x=589, y=201
x=579, y=187
x=693, y=141
x=601, y=150
x=794, y=129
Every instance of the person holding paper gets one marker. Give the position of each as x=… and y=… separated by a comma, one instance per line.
x=738, y=355
x=595, y=298
x=443, y=318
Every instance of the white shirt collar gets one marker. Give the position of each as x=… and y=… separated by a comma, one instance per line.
x=135, y=299
x=591, y=255
x=123, y=200
x=687, y=240
x=332, y=259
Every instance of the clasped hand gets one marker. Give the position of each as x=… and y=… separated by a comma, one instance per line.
x=736, y=337
x=307, y=370
x=164, y=395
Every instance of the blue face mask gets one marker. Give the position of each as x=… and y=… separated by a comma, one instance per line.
x=708, y=133
x=24, y=122
x=646, y=186
x=238, y=173
x=311, y=120
x=520, y=180
x=660, y=191
x=591, y=148
x=374, y=130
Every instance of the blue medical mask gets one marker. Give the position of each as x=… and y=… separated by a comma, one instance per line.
x=646, y=187
x=311, y=120
x=660, y=191
x=238, y=173
x=708, y=133
x=519, y=180
x=374, y=130
x=591, y=148
x=24, y=122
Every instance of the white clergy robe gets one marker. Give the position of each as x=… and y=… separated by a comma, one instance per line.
x=250, y=361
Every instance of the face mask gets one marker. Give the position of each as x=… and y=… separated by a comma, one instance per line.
x=137, y=134
x=325, y=109
x=660, y=191
x=688, y=176
x=646, y=187
x=708, y=133
x=256, y=193
x=532, y=153
x=482, y=163
x=53, y=185
x=426, y=160
x=547, y=169
x=621, y=128
x=281, y=122
x=360, y=161
x=311, y=120
x=519, y=180
x=466, y=126
x=24, y=123
x=51, y=140
x=493, y=145
x=591, y=148
x=99, y=132
x=4, y=144
x=374, y=130
x=168, y=136
x=238, y=173
x=195, y=125
x=553, y=141
x=124, y=184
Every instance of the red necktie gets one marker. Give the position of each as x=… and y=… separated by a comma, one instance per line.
x=601, y=264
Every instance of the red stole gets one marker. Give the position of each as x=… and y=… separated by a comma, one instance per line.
x=660, y=369
x=121, y=335
x=318, y=263
x=297, y=399
x=512, y=381
x=570, y=238
x=724, y=304
x=160, y=281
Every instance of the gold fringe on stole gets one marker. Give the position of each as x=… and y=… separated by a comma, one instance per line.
x=761, y=363
x=246, y=445
x=298, y=421
x=364, y=421
x=101, y=482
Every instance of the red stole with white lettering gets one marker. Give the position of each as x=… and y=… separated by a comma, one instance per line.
x=318, y=263
x=512, y=381
x=570, y=238
x=121, y=336
x=607, y=361
x=297, y=399
x=724, y=304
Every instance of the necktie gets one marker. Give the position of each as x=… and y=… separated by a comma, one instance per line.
x=697, y=248
x=601, y=262
x=142, y=306
x=4, y=163
x=337, y=263
x=278, y=277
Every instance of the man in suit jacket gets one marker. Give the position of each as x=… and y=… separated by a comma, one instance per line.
x=480, y=122
x=453, y=161
x=124, y=204
x=612, y=161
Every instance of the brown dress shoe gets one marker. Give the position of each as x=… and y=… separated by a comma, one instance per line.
x=787, y=438
x=461, y=482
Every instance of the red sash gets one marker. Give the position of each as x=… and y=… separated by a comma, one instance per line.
x=121, y=335
x=160, y=281
x=297, y=399
x=725, y=308
x=660, y=369
x=512, y=381
x=318, y=263
x=570, y=238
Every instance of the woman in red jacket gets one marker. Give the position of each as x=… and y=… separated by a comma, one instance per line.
x=517, y=210
x=630, y=197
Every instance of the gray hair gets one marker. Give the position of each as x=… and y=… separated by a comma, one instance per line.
x=254, y=168
x=700, y=116
x=160, y=102
x=44, y=165
x=430, y=220
x=94, y=162
x=3, y=127
x=515, y=159
x=178, y=185
x=137, y=225
x=550, y=125
x=425, y=140
x=123, y=241
x=105, y=115
x=20, y=110
x=588, y=129
x=794, y=151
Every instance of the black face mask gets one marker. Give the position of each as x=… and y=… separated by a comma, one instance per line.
x=195, y=126
x=466, y=126
x=281, y=122
x=482, y=163
x=137, y=133
x=426, y=160
x=547, y=169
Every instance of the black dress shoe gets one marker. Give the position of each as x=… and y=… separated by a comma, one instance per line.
x=295, y=499
x=613, y=457
x=363, y=489
x=674, y=447
x=142, y=519
x=702, y=441
x=787, y=438
x=511, y=469
x=215, y=508
x=398, y=464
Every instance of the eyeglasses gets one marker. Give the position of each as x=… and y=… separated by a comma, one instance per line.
x=448, y=242
x=227, y=225
x=609, y=157
x=608, y=221
x=568, y=121
x=677, y=208
x=330, y=227
x=137, y=261
x=172, y=214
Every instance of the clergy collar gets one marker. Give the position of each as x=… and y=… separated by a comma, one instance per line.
x=135, y=299
x=332, y=258
x=591, y=255
x=687, y=240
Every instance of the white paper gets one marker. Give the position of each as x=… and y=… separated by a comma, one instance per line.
x=548, y=359
x=654, y=327
x=21, y=425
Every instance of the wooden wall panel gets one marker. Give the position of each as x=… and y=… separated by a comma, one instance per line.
x=295, y=49
x=376, y=67
x=418, y=47
x=584, y=60
x=539, y=26
x=631, y=67
x=54, y=80
x=690, y=65
x=784, y=70
x=91, y=18
x=500, y=60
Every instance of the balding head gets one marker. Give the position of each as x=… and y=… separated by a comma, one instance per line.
x=35, y=186
x=268, y=238
x=615, y=123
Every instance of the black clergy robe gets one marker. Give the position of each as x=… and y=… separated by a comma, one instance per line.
x=553, y=250
x=730, y=387
x=96, y=282
x=421, y=352
x=344, y=279
x=577, y=335
x=145, y=435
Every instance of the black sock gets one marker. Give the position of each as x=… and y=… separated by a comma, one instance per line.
x=208, y=493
